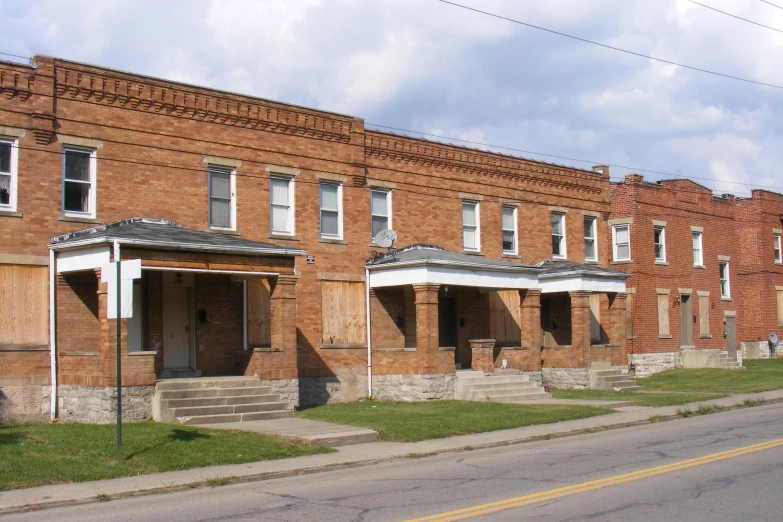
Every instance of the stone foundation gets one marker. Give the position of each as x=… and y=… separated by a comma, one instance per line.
x=22, y=403
x=647, y=364
x=286, y=389
x=413, y=387
x=536, y=377
x=757, y=349
x=347, y=385
x=566, y=378
x=99, y=405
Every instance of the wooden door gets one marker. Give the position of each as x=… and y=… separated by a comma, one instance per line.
x=176, y=327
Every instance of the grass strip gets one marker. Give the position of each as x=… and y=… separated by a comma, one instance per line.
x=758, y=375
x=638, y=398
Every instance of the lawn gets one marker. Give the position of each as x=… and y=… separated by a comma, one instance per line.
x=759, y=375
x=638, y=398
x=414, y=421
x=37, y=454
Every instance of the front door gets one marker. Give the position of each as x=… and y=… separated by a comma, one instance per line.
x=447, y=323
x=176, y=327
x=731, y=337
x=686, y=320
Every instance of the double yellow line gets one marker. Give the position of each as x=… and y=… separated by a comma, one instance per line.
x=525, y=500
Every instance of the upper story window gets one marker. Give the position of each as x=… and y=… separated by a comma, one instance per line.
x=222, y=197
x=79, y=172
x=509, y=229
x=698, y=254
x=778, y=258
x=331, y=210
x=8, y=166
x=380, y=210
x=281, y=205
x=621, y=242
x=591, y=252
x=659, y=234
x=471, y=239
x=725, y=290
x=558, y=235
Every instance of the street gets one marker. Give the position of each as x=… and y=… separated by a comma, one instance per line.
x=742, y=485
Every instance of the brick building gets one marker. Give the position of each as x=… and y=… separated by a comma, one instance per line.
x=704, y=271
x=254, y=222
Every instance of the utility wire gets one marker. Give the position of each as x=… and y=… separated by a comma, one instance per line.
x=633, y=53
x=737, y=17
x=15, y=56
x=773, y=5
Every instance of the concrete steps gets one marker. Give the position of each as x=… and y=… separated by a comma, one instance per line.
x=216, y=400
x=604, y=377
x=507, y=386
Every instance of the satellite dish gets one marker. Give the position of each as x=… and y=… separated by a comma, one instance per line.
x=386, y=238
x=773, y=338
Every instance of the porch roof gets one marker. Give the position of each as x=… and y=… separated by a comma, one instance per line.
x=167, y=235
x=563, y=276
x=421, y=264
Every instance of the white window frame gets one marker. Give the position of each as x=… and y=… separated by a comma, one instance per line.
x=563, y=253
x=388, y=215
x=513, y=230
x=593, y=237
x=700, y=262
x=14, y=168
x=661, y=259
x=339, y=211
x=477, y=227
x=722, y=264
x=615, y=256
x=232, y=172
x=776, y=249
x=92, y=202
x=291, y=205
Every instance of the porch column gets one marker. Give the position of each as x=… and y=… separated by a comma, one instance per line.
x=530, y=311
x=616, y=323
x=427, y=327
x=580, y=326
x=107, y=339
x=282, y=362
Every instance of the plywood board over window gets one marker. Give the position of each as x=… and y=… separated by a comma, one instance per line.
x=780, y=307
x=663, y=314
x=24, y=305
x=595, y=318
x=259, y=315
x=629, y=334
x=504, y=317
x=704, y=316
x=343, y=314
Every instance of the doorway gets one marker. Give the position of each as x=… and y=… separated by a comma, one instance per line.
x=447, y=323
x=686, y=320
x=177, y=327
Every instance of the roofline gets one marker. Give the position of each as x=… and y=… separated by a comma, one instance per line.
x=586, y=273
x=455, y=264
x=173, y=246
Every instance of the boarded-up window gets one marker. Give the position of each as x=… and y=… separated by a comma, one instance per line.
x=629, y=334
x=259, y=315
x=780, y=307
x=343, y=315
x=595, y=318
x=24, y=305
x=504, y=317
x=663, y=314
x=704, y=316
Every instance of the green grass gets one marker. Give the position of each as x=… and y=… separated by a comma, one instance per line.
x=638, y=398
x=414, y=421
x=759, y=375
x=37, y=454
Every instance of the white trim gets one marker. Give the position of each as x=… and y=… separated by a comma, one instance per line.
x=93, y=167
x=244, y=315
x=214, y=168
x=727, y=295
x=451, y=276
x=477, y=226
x=339, y=186
x=250, y=274
x=777, y=246
x=615, y=228
x=13, y=172
x=594, y=237
x=698, y=262
x=563, y=252
x=583, y=283
x=369, y=331
x=388, y=216
x=662, y=228
x=84, y=259
x=291, y=204
x=515, y=230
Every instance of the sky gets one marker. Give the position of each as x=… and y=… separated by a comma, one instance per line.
x=430, y=67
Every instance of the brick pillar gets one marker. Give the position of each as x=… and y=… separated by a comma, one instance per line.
x=427, y=327
x=580, y=327
x=482, y=358
x=280, y=362
x=107, y=340
x=530, y=304
x=615, y=326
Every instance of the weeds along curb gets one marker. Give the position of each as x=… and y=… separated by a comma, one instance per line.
x=218, y=481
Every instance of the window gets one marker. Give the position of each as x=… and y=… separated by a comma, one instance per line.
x=660, y=243
x=8, y=149
x=591, y=253
x=558, y=235
x=380, y=210
x=79, y=167
x=470, y=226
x=621, y=242
x=222, y=201
x=281, y=205
x=778, y=258
x=697, y=250
x=331, y=210
x=725, y=289
x=509, y=229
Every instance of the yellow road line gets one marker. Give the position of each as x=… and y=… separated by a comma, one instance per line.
x=533, y=498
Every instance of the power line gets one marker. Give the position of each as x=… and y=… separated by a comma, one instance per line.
x=633, y=53
x=773, y=5
x=737, y=17
x=15, y=55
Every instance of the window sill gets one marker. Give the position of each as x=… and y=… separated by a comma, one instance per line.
x=592, y=262
x=395, y=349
x=779, y=263
x=664, y=337
x=143, y=353
x=558, y=258
x=226, y=231
x=79, y=219
x=261, y=349
x=333, y=241
x=473, y=252
x=700, y=267
x=511, y=256
x=727, y=299
x=10, y=213
x=23, y=348
x=705, y=337
x=343, y=347
x=661, y=263
x=285, y=237
x=447, y=348
x=621, y=262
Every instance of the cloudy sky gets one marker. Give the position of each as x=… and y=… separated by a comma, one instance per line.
x=434, y=68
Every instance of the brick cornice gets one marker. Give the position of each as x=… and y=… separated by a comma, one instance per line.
x=15, y=82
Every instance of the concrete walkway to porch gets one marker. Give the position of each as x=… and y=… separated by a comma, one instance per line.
x=317, y=433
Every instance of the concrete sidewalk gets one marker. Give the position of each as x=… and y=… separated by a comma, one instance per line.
x=346, y=456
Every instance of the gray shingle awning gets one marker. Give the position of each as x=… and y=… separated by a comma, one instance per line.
x=563, y=276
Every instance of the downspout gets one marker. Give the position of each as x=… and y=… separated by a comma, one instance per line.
x=244, y=314
x=52, y=332
x=369, y=337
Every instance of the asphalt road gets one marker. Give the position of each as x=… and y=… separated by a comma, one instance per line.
x=677, y=470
